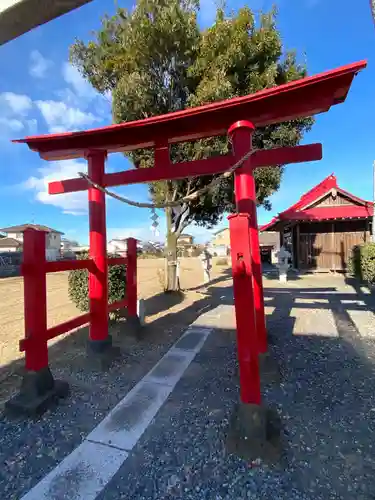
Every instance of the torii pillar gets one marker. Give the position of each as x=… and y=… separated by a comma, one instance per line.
x=240, y=134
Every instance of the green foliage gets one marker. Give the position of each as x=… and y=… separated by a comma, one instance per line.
x=154, y=59
x=79, y=287
x=362, y=263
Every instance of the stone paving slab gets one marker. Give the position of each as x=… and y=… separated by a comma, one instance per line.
x=81, y=475
x=126, y=423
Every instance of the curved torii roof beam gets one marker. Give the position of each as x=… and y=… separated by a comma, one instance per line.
x=300, y=98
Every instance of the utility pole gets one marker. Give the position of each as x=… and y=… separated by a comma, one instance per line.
x=373, y=200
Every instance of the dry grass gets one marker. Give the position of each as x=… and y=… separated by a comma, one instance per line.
x=60, y=308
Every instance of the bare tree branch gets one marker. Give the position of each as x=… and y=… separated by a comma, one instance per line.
x=175, y=193
x=182, y=220
x=190, y=181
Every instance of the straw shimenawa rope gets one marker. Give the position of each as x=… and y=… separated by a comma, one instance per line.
x=176, y=203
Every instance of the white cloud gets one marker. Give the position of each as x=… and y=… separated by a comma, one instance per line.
x=11, y=124
x=72, y=110
x=80, y=93
x=73, y=78
x=18, y=104
x=14, y=111
x=70, y=203
x=32, y=126
x=74, y=212
x=39, y=66
x=60, y=117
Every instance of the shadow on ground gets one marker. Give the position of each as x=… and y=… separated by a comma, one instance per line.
x=227, y=274
x=326, y=402
x=162, y=302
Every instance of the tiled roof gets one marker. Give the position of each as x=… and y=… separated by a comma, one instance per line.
x=301, y=209
x=22, y=227
x=9, y=242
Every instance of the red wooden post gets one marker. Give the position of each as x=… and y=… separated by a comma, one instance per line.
x=35, y=299
x=38, y=388
x=98, y=279
x=245, y=316
x=241, y=136
x=131, y=277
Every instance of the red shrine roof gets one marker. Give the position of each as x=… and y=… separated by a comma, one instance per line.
x=300, y=98
x=311, y=207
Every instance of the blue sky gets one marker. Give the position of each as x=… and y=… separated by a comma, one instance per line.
x=40, y=93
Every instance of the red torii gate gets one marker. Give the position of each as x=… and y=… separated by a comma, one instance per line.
x=237, y=117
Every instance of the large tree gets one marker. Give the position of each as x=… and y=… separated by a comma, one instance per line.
x=155, y=59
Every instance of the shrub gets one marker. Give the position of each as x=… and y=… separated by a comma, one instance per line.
x=362, y=262
x=79, y=286
x=222, y=261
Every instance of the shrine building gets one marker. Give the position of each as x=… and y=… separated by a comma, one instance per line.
x=321, y=229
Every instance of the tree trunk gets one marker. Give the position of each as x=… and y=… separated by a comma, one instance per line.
x=172, y=281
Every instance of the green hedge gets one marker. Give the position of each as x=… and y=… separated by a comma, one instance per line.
x=362, y=263
x=79, y=286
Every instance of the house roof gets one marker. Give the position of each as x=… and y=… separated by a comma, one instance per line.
x=9, y=242
x=296, y=99
x=221, y=230
x=304, y=210
x=22, y=227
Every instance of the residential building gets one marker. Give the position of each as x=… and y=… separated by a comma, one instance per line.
x=186, y=246
x=322, y=227
x=221, y=238
x=117, y=246
x=67, y=245
x=120, y=245
x=53, y=238
x=185, y=239
x=10, y=245
x=269, y=244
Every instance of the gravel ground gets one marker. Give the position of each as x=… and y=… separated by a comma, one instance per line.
x=31, y=448
x=326, y=403
x=321, y=335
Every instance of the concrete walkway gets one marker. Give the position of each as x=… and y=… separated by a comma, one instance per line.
x=322, y=332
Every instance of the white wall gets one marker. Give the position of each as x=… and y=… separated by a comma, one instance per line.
x=8, y=249
x=53, y=244
x=117, y=246
x=68, y=244
x=53, y=254
x=16, y=236
x=53, y=241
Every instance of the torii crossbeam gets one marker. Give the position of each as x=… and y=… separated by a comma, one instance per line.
x=237, y=117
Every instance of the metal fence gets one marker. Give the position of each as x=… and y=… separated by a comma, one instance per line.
x=10, y=264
